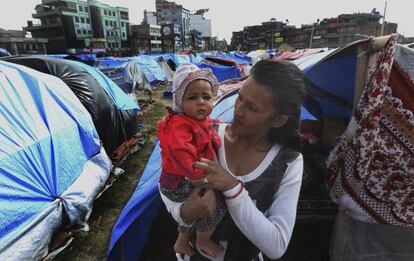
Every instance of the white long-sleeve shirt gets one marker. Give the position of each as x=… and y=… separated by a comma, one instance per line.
x=271, y=231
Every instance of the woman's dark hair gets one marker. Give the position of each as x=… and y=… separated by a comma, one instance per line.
x=287, y=83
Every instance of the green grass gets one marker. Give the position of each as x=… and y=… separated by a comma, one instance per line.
x=93, y=245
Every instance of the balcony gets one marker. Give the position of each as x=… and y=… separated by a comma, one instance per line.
x=155, y=41
x=49, y=2
x=45, y=13
x=35, y=27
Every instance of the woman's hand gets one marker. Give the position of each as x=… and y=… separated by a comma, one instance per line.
x=200, y=204
x=217, y=177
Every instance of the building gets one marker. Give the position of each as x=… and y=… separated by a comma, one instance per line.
x=264, y=36
x=237, y=42
x=338, y=31
x=171, y=38
x=222, y=45
x=197, y=42
x=17, y=42
x=113, y=24
x=81, y=26
x=146, y=38
x=201, y=24
x=172, y=13
x=150, y=17
x=328, y=33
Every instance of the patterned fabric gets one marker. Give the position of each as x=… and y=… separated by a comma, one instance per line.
x=373, y=165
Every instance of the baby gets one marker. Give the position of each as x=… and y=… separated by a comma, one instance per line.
x=186, y=135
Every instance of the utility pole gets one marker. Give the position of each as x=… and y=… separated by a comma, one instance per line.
x=383, y=20
x=313, y=29
x=311, y=36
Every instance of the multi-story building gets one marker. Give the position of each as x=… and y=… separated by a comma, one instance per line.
x=330, y=32
x=257, y=36
x=81, y=26
x=113, y=24
x=150, y=17
x=200, y=23
x=171, y=38
x=197, y=42
x=146, y=38
x=17, y=42
x=237, y=41
x=222, y=45
x=339, y=31
x=172, y=13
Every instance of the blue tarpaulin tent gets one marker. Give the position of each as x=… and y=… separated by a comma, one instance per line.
x=222, y=73
x=4, y=52
x=237, y=58
x=331, y=76
x=49, y=147
x=151, y=69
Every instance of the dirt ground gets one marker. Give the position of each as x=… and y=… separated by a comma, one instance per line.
x=93, y=245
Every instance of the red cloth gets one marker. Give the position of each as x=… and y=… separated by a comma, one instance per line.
x=183, y=141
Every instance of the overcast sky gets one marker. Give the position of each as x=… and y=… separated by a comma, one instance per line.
x=231, y=15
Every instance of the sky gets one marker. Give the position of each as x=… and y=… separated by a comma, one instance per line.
x=232, y=15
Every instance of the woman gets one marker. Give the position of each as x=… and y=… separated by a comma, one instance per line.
x=259, y=168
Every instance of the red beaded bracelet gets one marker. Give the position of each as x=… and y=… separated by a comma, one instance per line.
x=238, y=193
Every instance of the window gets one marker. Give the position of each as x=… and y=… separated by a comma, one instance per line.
x=105, y=13
x=123, y=34
x=79, y=31
x=106, y=22
x=115, y=24
x=80, y=8
x=122, y=24
x=76, y=19
x=88, y=21
x=86, y=9
x=89, y=31
x=82, y=20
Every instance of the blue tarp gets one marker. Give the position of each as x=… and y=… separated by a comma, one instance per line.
x=222, y=73
x=147, y=63
x=88, y=58
x=118, y=96
x=237, y=58
x=46, y=136
x=132, y=228
x=333, y=74
x=151, y=68
x=4, y=52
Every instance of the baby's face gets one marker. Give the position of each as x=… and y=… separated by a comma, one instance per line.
x=198, y=100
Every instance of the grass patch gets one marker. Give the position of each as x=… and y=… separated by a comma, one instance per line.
x=93, y=245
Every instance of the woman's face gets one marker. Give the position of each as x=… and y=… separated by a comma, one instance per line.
x=254, y=110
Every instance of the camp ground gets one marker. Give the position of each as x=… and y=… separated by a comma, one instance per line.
x=338, y=81
x=68, y=124
x=49, y=150
x=66, y=127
